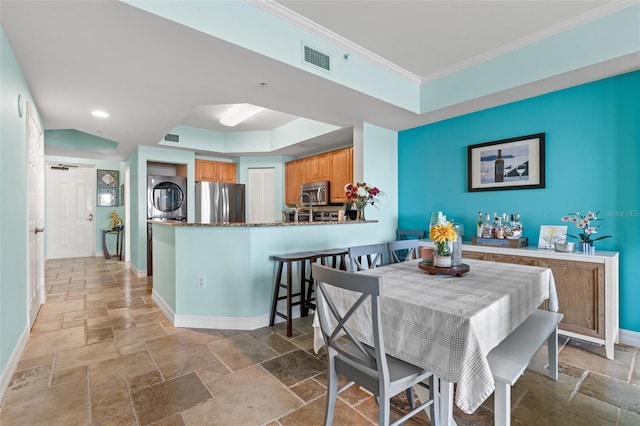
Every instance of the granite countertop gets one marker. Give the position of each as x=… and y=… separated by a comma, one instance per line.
x=255, y=225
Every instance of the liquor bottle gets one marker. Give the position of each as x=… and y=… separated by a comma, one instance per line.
x=486, y=227
x=506, y=225
x=499, y=167
x=494, y=227
x=516, y=226
x=499, y=228
x=479, y=226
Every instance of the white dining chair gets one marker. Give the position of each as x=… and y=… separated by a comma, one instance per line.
x=369, y=366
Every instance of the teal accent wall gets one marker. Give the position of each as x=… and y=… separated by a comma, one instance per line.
x=592, y=154
x=13, y=203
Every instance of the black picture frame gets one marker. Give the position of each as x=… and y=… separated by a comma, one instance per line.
x=522, y=164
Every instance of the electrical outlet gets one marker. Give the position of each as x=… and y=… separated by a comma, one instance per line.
x=201, y=281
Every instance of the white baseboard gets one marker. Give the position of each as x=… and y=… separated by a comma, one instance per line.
x=631, y=338
x=213, y=322
x=164, y=307
x=12, y=364
x=140, y=273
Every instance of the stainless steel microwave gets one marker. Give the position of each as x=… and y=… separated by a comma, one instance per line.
x=314, y=194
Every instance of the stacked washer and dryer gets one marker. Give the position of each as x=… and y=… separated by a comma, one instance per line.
x=166, y=200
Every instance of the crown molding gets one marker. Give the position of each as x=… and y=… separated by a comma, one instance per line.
x=306, y=24
x=552, y=30
x=277, y=9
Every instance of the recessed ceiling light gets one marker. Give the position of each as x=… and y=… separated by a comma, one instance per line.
x=99, y=114
x=238, y=113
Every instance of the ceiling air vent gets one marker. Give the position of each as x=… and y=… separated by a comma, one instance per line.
x=172, y=138
x=316, y=58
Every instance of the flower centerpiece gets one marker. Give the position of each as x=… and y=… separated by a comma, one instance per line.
x=360, y=194
x=115, y=221
x=583, y=223
x=443, y=233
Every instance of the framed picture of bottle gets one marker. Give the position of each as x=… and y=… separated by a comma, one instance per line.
x=514, y=163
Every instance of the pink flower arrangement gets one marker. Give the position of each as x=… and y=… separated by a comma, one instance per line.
x=584, y=224
x=360, y=194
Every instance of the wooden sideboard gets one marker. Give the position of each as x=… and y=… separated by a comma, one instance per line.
x=587, y=287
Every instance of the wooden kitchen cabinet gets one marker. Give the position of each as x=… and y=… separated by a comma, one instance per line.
x=335, y=167
x=340, y=174
x=315, y=168
x=215, y=171
x=293, y=175
x=587, y=288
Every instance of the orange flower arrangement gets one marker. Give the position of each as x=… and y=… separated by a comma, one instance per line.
x=442, y=233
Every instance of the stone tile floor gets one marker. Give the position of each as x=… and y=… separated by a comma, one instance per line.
x=102, y=353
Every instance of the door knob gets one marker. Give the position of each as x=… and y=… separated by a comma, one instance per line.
x=90, y=218
x=39, y=230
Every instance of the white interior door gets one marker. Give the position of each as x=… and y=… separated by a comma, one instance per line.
x=71, y=195
x=261, y=199
x=35, y=211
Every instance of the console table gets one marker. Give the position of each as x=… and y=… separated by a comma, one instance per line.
x=587, y=286
x=118, y=235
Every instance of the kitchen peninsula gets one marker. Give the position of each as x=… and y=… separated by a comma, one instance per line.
x=220, y=275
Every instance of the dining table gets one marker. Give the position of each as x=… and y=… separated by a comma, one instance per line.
x=448, y=324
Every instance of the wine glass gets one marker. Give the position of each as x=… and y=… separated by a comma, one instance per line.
x=484, y=171
x=520, y=169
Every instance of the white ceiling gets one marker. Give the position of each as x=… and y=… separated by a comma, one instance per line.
x=152, y=74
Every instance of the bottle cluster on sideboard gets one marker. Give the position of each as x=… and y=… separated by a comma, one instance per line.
x=502, y=227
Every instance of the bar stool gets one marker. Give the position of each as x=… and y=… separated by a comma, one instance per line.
x=288, y=260
x=324, y=256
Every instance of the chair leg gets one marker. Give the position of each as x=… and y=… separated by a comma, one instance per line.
x=304, y=308
x=332, y=390
x=552, y=346
x=385, y=408
x=410, y=397
x=434, y=409
x=276, y=292
x=289, y=299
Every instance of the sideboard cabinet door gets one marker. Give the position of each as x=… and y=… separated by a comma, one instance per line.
x=580, y=287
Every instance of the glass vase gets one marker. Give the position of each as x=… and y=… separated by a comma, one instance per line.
x=587, y=248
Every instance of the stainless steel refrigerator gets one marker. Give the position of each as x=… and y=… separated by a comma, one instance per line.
x=218, y=202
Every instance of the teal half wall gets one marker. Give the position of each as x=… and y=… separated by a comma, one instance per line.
x=592, y=154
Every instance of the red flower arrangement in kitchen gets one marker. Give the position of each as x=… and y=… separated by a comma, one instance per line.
x=360, y=194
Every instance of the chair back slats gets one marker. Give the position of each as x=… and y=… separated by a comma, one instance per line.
x=408, y=234
x=403, y=250
x=334, y=324
x=367, y=256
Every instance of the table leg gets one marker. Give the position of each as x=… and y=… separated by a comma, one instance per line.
x=105, y=252
x=446, y=403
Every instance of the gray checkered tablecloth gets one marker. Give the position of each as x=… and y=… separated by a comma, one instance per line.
x=449, y=324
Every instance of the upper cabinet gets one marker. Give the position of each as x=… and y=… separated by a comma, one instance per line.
x=293, y=171
x=336, y=167
x=215, y=171
x=341, y=171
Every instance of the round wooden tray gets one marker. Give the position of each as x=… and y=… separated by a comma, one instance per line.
x=458, y=271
